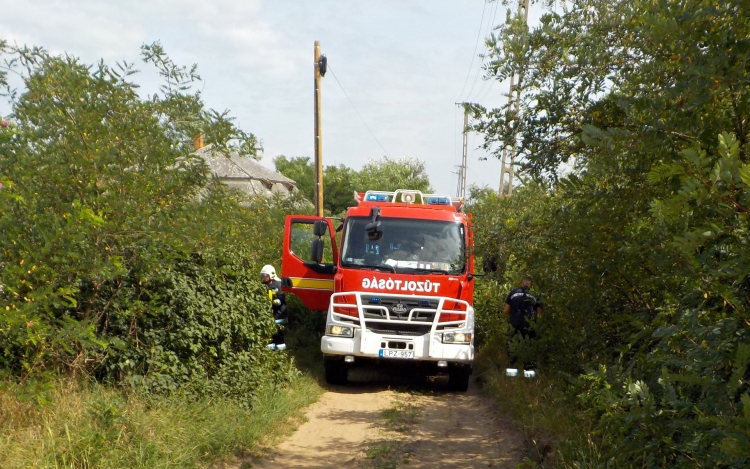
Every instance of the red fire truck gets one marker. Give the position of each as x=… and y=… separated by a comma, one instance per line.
x=400, y=287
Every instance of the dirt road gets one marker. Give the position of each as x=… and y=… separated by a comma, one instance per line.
x=380, y=421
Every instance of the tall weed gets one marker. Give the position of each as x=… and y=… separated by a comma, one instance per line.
x=87, y=425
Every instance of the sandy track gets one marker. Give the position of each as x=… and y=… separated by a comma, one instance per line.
x=463, y=430
x=457, y=430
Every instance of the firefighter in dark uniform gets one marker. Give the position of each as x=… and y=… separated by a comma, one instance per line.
x=519, y=307
x=278, y=304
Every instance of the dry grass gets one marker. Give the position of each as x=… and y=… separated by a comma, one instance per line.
x=84, y=425
x=545, y=416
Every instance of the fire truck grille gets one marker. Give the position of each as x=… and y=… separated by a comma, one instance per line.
x=399, y=308
x=399, y=329
x=389, y=301
x=421, y=316
x=399, y=315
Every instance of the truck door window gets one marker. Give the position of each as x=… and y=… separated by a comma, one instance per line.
x=301, y=239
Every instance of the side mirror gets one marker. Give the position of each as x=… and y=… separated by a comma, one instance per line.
x=316, y=250
x=320, y=227
x=489, y=265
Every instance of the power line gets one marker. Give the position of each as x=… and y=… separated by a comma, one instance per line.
x=477, y=98
x=479, y=34
x=355, y=110
x=492, y=83
x=490, y=22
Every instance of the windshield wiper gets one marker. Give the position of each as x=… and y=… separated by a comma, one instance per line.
x=426, y=271
x=380, y=267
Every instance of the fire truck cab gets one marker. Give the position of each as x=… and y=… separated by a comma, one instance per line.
x=397, y=284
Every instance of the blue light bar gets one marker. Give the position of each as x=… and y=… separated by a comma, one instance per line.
x=378, y=198
x=438, y=201
x=424, y=302
x=375, y=300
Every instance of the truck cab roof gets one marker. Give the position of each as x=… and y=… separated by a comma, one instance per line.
x=405, y=199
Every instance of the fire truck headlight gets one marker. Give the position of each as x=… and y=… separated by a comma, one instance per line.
x=456, y=338
x=340, y=331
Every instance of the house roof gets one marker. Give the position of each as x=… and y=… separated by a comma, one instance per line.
x=240, y=168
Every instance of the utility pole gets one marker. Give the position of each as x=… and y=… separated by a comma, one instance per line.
x=523, y=9
x=461, y=191
x=320, y=63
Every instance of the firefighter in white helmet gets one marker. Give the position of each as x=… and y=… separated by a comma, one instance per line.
x=278, y=304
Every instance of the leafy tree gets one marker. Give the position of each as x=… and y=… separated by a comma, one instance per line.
x=390, y=174
x=641, y=252
x=340, y=182
x=337, y=181
x=109, y=264
x=339, y=187
x=299, y=169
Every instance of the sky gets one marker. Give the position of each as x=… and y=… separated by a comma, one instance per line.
x=397, y=68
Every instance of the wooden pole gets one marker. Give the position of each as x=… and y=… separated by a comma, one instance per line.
x=318, y=137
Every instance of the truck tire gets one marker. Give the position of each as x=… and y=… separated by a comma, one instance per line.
x=458, y=379
x=336, y=372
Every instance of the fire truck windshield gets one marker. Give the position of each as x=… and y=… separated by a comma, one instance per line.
x=405, y=245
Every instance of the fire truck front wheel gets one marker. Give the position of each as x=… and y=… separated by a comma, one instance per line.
x=336, y=371
x=458, y=378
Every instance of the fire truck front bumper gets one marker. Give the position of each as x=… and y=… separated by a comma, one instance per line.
x=428, y=347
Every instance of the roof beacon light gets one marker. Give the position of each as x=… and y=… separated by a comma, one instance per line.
x=378, y=196
x=408, y=197
x=438, y=200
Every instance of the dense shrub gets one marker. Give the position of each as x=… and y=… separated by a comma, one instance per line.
x=641, y=250
x=120, y=256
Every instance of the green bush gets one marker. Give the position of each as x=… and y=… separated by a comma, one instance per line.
x=641, y=250
x=647, y=320
x=120, y=256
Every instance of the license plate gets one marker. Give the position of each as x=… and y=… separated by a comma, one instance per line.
x=385, y=353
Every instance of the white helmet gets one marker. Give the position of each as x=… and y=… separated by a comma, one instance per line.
x=268, y=270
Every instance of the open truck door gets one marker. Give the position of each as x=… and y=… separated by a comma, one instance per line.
x=309, y=259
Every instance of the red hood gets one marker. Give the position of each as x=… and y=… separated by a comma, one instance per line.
x=388, y=282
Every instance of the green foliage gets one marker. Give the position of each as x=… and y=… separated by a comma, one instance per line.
x=340, y=182
x=119, y=256
x=641, y=252
x=491, y=324
x=390, y=174
x=299, y=169
x=210, y=334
